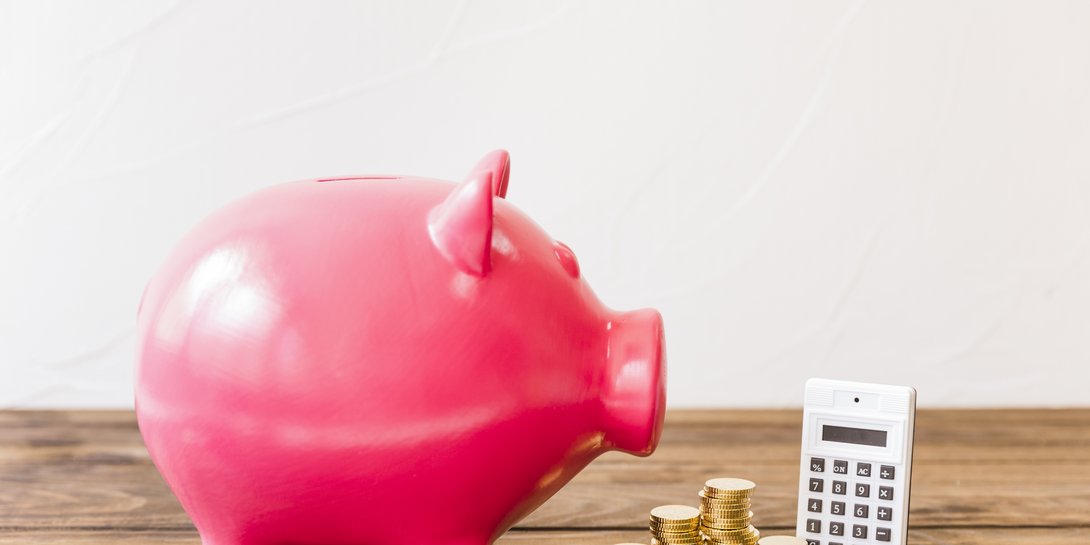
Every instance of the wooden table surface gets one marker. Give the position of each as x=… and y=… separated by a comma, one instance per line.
x=988, y=476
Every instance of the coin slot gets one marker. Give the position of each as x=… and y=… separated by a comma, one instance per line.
x=352, y=178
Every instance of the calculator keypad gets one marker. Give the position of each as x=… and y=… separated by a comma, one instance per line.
x=866, y=515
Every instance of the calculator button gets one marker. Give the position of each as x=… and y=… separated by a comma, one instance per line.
x=814, y=506
x=840, y=466
x=859, y=531
x=840, y=487
x=862, y=511
x=862, y=490
x=817, y=485
x=836, y=528
x=887, y=472
x=813, y=526
x=885, y=492
x=882, y=534
x=812, y=542
x=837, y=508
x=885, y=513
x=835, y=543
x=817, y=465
x=862, y=470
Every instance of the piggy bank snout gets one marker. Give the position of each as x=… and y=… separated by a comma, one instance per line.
x=634, y=390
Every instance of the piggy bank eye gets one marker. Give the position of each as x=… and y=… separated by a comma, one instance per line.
x=566, y=258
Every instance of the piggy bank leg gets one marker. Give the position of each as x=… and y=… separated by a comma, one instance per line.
x=211, y=537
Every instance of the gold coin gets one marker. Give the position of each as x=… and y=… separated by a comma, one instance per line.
x=732, y=514
x=727, y=524
x=671, y=530
x=687, y=523
x=683, y=533
x=674, y=513
x=731, y=540
x=732, y=511
x=658, y=540
x=707, y=504
x=725, y=534
x=734, y=532
x=729, y=486
x=747, y=538
x=705, y=495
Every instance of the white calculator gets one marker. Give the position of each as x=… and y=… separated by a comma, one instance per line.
x=856, y=463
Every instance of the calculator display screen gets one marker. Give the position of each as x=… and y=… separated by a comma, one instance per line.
x=857, y=436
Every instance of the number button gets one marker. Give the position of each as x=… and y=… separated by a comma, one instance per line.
x=837, y=508
x=817, y=485
x=887, y=472
x=813, y=526
x=885, y=492
x=812, y=542
x=836, y=528
x=840, y=466
x=862, y=470
x=882, y=534
x=840, y=487
x=861, y=511
x=862, y=490
x=814, y=506
x=885, y=513
x=859, y=531
x=817, y=465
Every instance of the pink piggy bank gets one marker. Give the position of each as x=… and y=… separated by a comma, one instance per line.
x=350, y=360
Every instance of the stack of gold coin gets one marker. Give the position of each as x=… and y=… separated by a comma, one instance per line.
x=725, y=513
x=675, y=525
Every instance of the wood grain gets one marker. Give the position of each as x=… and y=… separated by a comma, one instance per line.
x=994, y=476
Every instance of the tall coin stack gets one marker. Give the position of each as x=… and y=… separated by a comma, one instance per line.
x=675, y=525
x=725, y=513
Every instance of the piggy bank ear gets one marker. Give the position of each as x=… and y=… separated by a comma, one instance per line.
x=498, y=164
x=461, y=226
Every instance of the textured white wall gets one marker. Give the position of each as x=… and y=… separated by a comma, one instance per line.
x=878, y=191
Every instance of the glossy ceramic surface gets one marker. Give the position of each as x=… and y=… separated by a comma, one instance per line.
x=326, y=361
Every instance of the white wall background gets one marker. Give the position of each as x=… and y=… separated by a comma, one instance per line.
x=883, y=191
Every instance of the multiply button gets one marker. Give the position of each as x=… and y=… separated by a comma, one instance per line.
x=862, y=470
x=817, y=465
x=887, y=472
x=885, y=492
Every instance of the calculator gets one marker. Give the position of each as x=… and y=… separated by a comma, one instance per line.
x=856, y=464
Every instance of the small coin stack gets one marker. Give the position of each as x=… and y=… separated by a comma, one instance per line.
x=675, y=525
x=725, y=512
